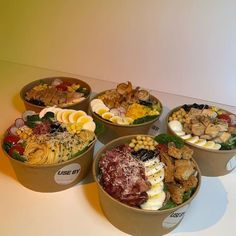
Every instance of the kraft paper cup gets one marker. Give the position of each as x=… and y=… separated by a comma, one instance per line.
x=211, y=162
x=82, y=105
x=112, y=131
x=53, y=177
x=136, y=221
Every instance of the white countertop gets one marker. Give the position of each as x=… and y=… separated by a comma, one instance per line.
x=76, y=211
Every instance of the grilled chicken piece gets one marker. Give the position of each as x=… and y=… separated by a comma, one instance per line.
x=198, y=129
x=190, y=183
x=169, y=167
x=187, y=152
x=183, y=169
x=223, y=125
x=176, y=192
x=205, y=120
x=212, y=130
x=173, y=151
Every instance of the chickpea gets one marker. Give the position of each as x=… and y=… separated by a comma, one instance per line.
x=132, y=145
x=150, y=143
x=138, y=137
x=140, y=142
x=149, y=138
x=145, y=143
x=143, y=138
x=136, y=149
x=152, y=148
x=141, y=146
x=134, y=141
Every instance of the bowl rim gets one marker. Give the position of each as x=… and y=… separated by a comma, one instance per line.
x=91, y=145
x=24, y=89
x=192, y=144
x=151, y=212
x=118, y=125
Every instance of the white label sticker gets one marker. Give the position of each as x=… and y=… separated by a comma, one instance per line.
x=67, y=174
x=175, y=217
x=154, y=129
x=231, y=164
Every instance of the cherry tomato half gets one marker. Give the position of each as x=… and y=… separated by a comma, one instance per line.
x=18, y=148
x=61, y=87
x=162, y=147
x=11, y=139
x=225, y=117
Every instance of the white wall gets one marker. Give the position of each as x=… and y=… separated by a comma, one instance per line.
x=185, y=47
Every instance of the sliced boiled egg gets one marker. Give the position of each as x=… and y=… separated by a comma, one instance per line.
x=49, y=109
x=155, y=189
x=155, y=202
x=217, y=146
x=84, y=119
x=65, y=116
x=175, y=125
x=180, y=133
x=209, y=144
x=116, y=119
x=187, y=136
x=151, y=162
x=193, y=139
x=107, y=115
x=89, y=126
x=129, y=120
x=59, y=115
x=201, y=142
x=151, y=170
x=157, y=177
x=95, y=102
x=102, y=110
x=74, y=116
x=97, y=106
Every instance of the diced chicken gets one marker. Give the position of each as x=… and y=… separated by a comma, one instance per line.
x=224, y=137
x=176, y=192
x=169, y=167
x=232, y=130
x=183, y=172
x=194, y=112
x=205, y=120
x=187, y=128
x=223, y=125
x=209, y=113
x=190, y=183
x=198, y=129
x=187, y=152
x=206, y=136
x=212, y=130
x=173, y=151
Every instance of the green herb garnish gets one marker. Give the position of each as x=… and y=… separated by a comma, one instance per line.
x=82, y=90
x=33, y=120
x=168, y=205
x=230, y=144
x=49, y=116
x=18, y=157
x=188, y=194
x=7, y=146
x=167, y=138
x=144, y=119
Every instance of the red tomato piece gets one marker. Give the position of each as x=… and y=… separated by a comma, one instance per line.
x=225, y=117
x=162, y=147
x=61, y=87
x=11, y=139
x=18, y=148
